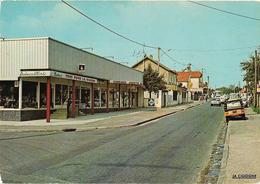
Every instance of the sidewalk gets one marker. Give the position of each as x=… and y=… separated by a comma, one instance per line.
x=243, y=158
x=119, y=119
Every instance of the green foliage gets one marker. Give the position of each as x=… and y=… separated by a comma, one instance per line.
x=248, y=67
x=256, y=109
x=229, y=89
x=153, y=81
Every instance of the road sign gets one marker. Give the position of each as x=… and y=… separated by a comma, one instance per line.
x=258, y=88
x=151, y=102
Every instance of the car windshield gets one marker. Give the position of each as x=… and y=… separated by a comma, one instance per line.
x=233, y=105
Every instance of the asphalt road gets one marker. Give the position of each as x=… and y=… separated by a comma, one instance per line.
x=173, y=150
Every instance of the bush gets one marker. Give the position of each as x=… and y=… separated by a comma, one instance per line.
x=256, y=109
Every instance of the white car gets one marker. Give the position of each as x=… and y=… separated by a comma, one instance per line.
x=215, y=101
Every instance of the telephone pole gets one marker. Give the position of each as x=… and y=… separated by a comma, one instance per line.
x=256, y=80
x=159, y=49
x=208, y=86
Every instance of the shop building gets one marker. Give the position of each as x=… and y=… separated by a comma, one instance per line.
x=45, y=78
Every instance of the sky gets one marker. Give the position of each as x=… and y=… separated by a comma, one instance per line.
x=208, y=39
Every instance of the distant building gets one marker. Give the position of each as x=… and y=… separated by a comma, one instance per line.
x=193, y=81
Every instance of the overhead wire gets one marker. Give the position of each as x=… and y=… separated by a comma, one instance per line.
x=176, y=61
x=224, y=11
x=215, y=50
x=107, y=28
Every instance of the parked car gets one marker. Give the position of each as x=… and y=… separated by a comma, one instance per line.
x=234, y=108
x=245, y=102
x=223, y=99
x=215, y=102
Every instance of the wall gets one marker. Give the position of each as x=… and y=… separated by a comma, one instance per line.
x=154, y=66
x=140, y=97
x=66, y=58
x=195, y=83
x=17, y=54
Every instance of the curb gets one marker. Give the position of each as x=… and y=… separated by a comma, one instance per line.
x=224, y=160
x=58, y=129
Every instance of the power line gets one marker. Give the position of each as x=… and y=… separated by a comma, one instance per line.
x=224, y=11
x=215, y=50
x=176, y=61
x=107, y=28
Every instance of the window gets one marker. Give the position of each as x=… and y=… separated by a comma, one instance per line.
x=85, y=97
x=8, y=94
x=103, y=97
x=58, y=94
x=97, y=98
x=29, y=94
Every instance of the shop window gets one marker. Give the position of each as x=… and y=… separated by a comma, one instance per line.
x=43, y=95
x=97, y=96
x=8, y=95
x=64, y=93
x=29, y=94
x=85, y=98
x=58, y=94
x=103, y=98
x=125, y=99
x=113, y=98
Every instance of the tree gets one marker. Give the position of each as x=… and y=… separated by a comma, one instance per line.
x=153, y=81
x=249, y=68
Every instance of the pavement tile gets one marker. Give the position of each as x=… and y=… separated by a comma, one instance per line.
x=244, y=150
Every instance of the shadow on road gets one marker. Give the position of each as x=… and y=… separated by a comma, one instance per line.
x=141, y=165
x=29, y=136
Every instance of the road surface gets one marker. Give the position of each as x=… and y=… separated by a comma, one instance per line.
x=172, y=149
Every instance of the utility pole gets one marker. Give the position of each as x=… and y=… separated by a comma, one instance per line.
x=159, y=49
x=208, y=87
x=202, y=74
x=256, y=80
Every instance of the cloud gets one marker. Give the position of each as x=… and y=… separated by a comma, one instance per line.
x=55, y=20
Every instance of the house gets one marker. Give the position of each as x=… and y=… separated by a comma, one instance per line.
x=169, y=96
x=193, y=81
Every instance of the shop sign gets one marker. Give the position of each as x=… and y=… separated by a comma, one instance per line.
x=73, y=77
x=57, y=75
x=35, y=73
x=258, y=88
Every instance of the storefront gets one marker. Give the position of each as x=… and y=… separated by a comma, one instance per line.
x=41, y=78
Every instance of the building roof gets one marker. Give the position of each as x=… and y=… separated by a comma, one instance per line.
x=184, y=76
x=151, y=59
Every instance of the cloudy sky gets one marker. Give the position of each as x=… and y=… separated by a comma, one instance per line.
x=206, y=38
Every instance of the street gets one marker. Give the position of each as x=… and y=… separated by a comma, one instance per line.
x=172, y=149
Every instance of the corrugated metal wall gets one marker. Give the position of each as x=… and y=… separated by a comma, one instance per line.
x=65, y=58
x=20, y=54
x=45, y=53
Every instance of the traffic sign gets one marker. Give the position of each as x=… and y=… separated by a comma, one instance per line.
x=151, y=102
